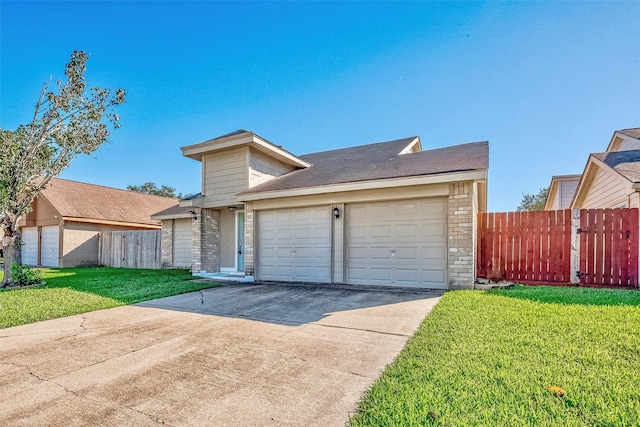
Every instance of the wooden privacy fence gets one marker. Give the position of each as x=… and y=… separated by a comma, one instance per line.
x=588, y=247
x=131, y=249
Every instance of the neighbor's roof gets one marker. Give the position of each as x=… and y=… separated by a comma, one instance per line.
x=96, y=203
x=626, y=163
x=633, y=132
x=175, y=211
x=378, y=161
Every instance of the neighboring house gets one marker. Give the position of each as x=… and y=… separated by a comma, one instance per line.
x=561, y=192
x=612, y=179
x=609, y=180
x=177, y=236
x=63, y=228
x=378, y=214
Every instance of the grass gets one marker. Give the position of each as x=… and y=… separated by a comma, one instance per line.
x=488, y=358
x=79, y=290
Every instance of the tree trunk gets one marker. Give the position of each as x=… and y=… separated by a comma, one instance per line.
x=11, y=253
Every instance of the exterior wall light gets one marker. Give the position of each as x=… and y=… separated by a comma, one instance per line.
x=232, y=208
x=194, y=215
x=336, y=212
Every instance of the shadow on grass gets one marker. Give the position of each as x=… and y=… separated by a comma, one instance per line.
x=123, y=284
x=570, y=295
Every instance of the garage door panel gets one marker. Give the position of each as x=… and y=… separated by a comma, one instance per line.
x=397, y=243
x=50, y=246
x=321, y=252
x=283, y=235
x=381, y=274
x=410, y=253
x=438, y=255
x=356, y=231
x=407, y=275
x=30, y=246
x=378, y=253
x=301, y=250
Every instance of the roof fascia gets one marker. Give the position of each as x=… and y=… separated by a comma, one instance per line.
x=553, y=189
x=108, y=222
x=249, y=139
x=604, y=166
x=408, y=148
x=616, y=141
x=593, y=164
x=171, y=216
x=585, y=181
x=279, y=153
x=476, y=175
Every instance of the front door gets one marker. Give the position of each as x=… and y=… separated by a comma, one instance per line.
x=240, y=243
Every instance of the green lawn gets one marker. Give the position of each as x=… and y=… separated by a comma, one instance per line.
x=488, y=358
x=79, y=290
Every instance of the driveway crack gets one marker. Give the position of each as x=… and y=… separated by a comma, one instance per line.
x=361, y=329
x=154, y=418
x=201, y=297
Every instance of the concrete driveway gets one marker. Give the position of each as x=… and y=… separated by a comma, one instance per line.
x=238, y=355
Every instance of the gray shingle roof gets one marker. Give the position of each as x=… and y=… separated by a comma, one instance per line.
x=378, y=161
x=626, y=163
x=175, y=210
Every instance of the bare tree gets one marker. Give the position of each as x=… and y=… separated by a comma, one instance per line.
x=68, y=121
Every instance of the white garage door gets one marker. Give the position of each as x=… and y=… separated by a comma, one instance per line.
x=400, y=243
x=50, y=245
x=182, y=243
x=30, y=246
x=294, y=245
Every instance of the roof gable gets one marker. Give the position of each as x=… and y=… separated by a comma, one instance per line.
x=94, y=203
x=625, y=163
x=624, y=166
x=554, y=188
x=241, y=138
x=624, y=139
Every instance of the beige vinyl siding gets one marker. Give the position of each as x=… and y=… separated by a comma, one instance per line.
x=227, y=239
x=182, y=243
x=338, y=244
x=225, y=174
x=567, y=191
x=430, y=190
x=606, y=191
x=263, y=168
x=629, y=144
x=555, y=202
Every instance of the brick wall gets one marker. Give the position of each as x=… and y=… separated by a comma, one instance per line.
x=210, y=240
x=462, y=236
x=167, y=243
x=196, y=232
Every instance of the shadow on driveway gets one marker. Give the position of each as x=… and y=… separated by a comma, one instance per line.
x=287, y=304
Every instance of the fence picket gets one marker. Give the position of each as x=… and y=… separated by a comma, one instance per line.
x=536, y=247
x=131, y=249
x=633, y=247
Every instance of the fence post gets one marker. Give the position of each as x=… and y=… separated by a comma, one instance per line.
x=575, y=246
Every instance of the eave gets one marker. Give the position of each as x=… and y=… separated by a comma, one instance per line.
x=252, y=140
x=476, y=175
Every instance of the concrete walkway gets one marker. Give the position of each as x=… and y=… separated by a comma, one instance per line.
x=238, y=355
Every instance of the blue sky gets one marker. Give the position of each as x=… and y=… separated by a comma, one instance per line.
x=544, y=83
